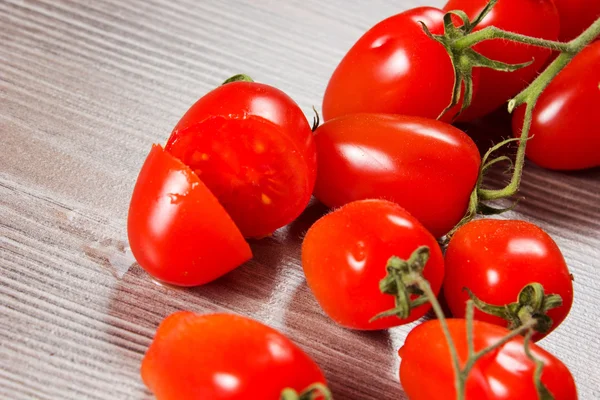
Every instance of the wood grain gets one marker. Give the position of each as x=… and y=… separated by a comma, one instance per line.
x=86, y=87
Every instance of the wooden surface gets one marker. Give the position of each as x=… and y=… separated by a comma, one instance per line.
x=86, y=87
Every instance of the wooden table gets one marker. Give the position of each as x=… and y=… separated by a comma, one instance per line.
x=86, y=87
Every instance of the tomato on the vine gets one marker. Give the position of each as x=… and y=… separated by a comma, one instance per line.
x=178, y=231
x=495, y=259
x=253, y=147
x=224, y=357
x=394, y=68
x=576, y=16
x=536, y=18
x=428, y=167
x=344, y=256
x=426, y=370
x=564, y=129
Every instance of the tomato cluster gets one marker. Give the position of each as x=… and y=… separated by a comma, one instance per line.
x=243, y=162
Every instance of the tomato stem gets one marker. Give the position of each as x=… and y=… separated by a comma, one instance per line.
x=238, y=78
x=314, y=391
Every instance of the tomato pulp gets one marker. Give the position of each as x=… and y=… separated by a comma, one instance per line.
x=426, y=371
x=224, y=357
x=253, y=148
x=536, y=18
x=394, y=68
x=344, y=257
x=564, y=129
x=428, y=167
x=495, y=259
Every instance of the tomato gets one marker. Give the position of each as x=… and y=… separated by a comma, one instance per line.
x=394, y=68
x=345, y=253
x=507, y=373
x=428, y=167
x=536, y=18
x=178, y=231
x=564, y=129
x=495, y=259
x=576, y=16
x=224, y=357
x=253, y=148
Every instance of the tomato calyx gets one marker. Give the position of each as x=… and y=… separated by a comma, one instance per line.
x=314, y=391
x=532, y=304
x=238, y=78
x=402, y=282
x=463, y=57
x=316, y=120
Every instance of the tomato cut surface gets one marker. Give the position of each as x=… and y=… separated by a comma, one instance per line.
x=178, y=231
x=224, y=357
x=252, y=146
x=426, y=166
x=344, y=257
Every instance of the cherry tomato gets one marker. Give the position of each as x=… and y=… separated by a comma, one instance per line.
x=537, y=18
x=394, y=68
x=564, y=129
x=495, y=259
x=252, y=146
x=426, y=166
x=576, y=16
x=178, y=231
x=224, y=357
x=345, y=253
x=507, y=373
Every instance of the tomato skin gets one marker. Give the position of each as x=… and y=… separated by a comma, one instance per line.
x=426, y=369
x=249, y=140
x=564, y=129
x=178, y=231
x=576, y=16
x=345, y=253
x=496, y=258
x=426, y=166
x=223, y=357
x=536, y=18
x=394, y=68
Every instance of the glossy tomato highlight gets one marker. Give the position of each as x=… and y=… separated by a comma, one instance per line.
x=178, y=231
x=252, y=146
x=344, y=257
x=428, y=167
x=224, y=357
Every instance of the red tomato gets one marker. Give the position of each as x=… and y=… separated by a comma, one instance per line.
x=178, y=231
x=495, y=259
x=537, y=18
x=252, y=146
x=345, y=253
x=576, y=16
x=428, y=167
x=564, y=131
x=394, y=68
x=507, y=373
x=224, y=357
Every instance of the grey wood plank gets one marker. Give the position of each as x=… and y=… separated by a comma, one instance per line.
x=85, y=88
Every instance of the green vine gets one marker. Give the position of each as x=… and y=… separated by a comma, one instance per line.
x=314, y=391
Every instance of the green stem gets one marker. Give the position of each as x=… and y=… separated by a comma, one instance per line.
x=491, y=32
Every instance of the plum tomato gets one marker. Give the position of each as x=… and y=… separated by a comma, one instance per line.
x=224, y=357
x=428, y=167
x=564, y=129
x=178, y=231
x=345, y=253
x=576, y=16
x=426, y=369
x=395, y=68
x=536, y=18
x=253, y=147
x=495, y=259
